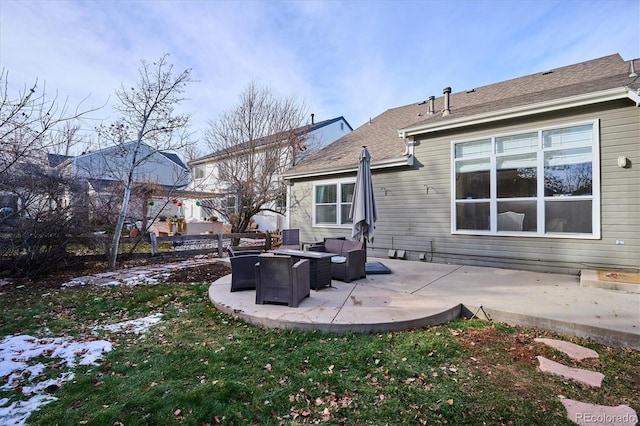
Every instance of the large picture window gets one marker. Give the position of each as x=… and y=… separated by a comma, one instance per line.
x=540, y=182
x=332, y=203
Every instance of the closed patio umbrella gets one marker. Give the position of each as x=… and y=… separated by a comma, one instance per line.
x=364, y=212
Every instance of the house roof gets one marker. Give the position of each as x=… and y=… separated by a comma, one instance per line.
x=57, y=159
x=174, y=157
x=586, y=82
x=266, y=140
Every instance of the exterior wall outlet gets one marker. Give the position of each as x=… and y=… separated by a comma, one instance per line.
x=620, y=242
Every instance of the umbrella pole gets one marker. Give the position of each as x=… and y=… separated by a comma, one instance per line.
x=364, y=245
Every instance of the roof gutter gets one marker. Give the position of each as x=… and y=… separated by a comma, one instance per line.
x=635, y=96
x=523, y=110
x=383, y=164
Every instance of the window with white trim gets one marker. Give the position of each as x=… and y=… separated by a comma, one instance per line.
x=540, y=182
x=332, y=203
x=198, y=172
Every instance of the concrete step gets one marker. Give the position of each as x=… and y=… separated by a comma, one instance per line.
x=599, y=415
x=587, y=377
x=574, y=351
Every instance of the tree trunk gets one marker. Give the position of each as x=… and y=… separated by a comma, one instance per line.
x=119, y=226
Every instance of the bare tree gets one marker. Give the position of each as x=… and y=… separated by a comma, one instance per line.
x=68, y=140
x=253, y=144
x=31, y=122
x=148, y=118
x=35, y=219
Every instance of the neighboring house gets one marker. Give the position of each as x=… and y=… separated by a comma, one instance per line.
x=205, y=172
x=100, y=175
x=541, y=172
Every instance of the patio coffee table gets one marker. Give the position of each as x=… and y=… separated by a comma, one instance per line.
x=319, y=265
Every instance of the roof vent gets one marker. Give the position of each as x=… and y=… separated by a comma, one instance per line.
x=447, y=101
x=432, y=105
x=313, y=121
x=547, y=72
x=633, y=73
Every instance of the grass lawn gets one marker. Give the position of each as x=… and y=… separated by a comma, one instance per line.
x=200, y=367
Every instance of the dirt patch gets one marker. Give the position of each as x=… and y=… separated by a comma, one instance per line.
x=205, y=273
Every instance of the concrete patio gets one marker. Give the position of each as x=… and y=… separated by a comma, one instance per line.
x=419, y=294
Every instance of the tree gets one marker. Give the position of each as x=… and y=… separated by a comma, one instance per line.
x=148, y=117
x=253, y=144
x=35, y=220
x=31, y=124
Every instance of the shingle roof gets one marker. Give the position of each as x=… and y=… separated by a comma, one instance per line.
x=277, y=137
x=381, y=135
x=57, y=159
x=174, y=157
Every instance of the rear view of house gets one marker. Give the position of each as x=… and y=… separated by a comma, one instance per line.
x=539, y=172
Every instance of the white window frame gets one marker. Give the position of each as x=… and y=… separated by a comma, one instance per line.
x=540, y=198
x=338, y=183
x=199, y=170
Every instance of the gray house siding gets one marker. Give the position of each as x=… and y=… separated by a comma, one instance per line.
x=414, y=204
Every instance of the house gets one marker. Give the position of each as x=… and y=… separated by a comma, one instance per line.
x=540, y=172
x=206, y=169
x=99, y=176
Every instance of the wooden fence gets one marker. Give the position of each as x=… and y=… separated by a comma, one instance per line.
x=180, y=245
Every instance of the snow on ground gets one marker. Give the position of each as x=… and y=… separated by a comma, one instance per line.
x=133, y=280
x=20, y=367
x=138, y=326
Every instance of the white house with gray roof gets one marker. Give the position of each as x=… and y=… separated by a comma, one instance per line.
x=315, y=136
x=540, y=172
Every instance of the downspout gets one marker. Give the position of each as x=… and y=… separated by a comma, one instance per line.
x=287, y=216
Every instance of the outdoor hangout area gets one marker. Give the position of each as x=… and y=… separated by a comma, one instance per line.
x=286, y=275
x=422, y=294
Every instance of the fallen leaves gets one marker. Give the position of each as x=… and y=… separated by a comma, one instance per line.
x=320, y=409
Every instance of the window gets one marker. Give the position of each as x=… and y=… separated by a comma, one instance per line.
x=532, y=183
x=198, y=172
x=332, y=203
x=229, y=204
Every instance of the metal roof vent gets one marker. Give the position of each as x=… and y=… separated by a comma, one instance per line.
x=432, y=105
x=447, y=101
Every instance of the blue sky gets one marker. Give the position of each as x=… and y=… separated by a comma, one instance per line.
x=354, y=58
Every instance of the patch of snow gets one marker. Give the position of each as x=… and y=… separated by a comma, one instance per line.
x=18, y=412
x=16, y=367
x=133, y=280
x=140, y=279
x=138, y=326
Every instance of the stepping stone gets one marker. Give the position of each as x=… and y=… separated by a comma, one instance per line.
x=574, y=351
x=599, y=415
x=590, y=378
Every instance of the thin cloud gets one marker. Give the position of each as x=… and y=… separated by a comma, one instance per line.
x=355, y=59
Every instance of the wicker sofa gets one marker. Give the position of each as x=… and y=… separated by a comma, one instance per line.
x=349, y=264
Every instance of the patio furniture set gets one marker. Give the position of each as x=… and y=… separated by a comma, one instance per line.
x=286, y=275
